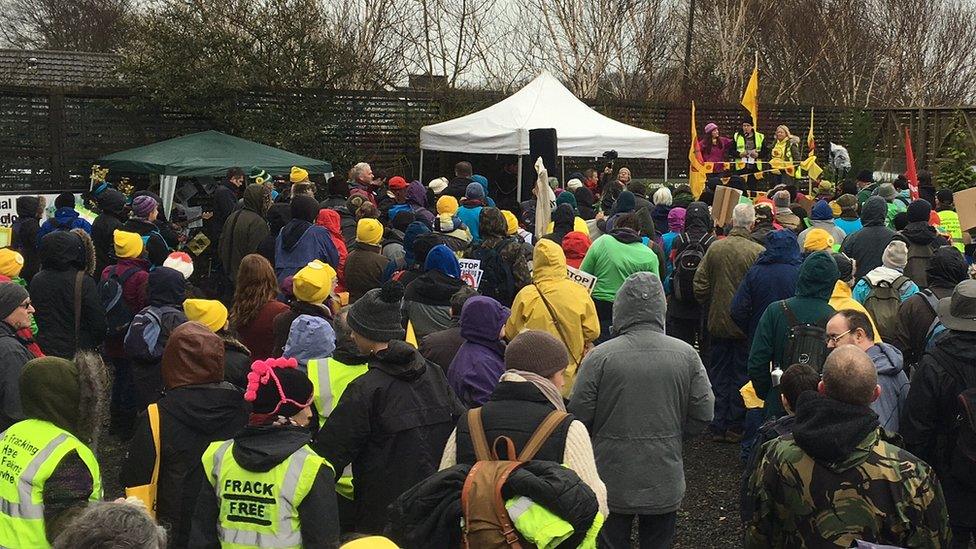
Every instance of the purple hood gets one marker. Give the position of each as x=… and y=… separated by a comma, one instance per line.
x=480, y=361
x=676, y=220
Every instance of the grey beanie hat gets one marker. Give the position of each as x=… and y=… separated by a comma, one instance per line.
x=376, y=315
x=781, y=199
x=537, y=352
x=895, y=255
x=11, y=296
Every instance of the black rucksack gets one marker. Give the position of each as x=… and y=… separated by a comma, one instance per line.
x=806, y=343
x=686, y=264
x=497, y=280
x=882, y=302
x=919, y=256
x=962, y=459
x=149, y=331
x=118, y=315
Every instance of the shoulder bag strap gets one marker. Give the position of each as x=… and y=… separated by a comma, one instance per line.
x=477, y=431
x=790, y=317
x=559, y=327
x=79, y=278
x=153, y=411
x=541, y=434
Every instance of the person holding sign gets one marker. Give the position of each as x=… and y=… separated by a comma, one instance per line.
x=555, y=304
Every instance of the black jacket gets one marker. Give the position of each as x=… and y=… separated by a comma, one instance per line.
x=391, y=424
x=440, y=347
x=13, y=356
x=237, y=362
x=866, y=246
x=111, y=203
x=224, y=203
x=156, y=249
x=429, y=514
x=53, y=294
x=191, y=417
x=928, y=421
x=457, y=187
x=261, y=449
x=515, y=410
x=24, y=237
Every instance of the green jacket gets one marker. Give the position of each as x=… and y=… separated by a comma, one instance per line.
x=718, y=277
x=815, y=283
x=878, y=493
x=612, y=261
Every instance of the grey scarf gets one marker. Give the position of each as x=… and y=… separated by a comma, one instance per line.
x=544, y=385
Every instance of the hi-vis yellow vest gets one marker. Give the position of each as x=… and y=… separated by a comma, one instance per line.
x=740, y=146
x=328, y=384
x=949, y=221
x=260, y=509
x=30, y=451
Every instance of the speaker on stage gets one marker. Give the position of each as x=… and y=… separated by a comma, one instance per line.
x=542, y=142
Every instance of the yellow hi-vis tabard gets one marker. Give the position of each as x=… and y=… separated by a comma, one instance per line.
x=740, y=147
x=260, y=509
x=30, y=451
x=328, y=384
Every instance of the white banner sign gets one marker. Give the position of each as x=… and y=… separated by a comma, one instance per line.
x=585, y=280
x=471, y=272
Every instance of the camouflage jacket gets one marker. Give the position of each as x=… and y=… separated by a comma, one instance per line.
x=879, y=493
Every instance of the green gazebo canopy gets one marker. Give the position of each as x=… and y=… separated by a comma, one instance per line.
x=209, y=153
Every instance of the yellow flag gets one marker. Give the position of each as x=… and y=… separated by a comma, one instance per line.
x=811, y=144
x=696, y=170
x=750, y=97
x=812, y=168
x=411, y=335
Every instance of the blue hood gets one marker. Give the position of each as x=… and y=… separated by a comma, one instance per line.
x=441, y=258
x=310, y=337
x=821, y=211
x=781, y=247
x=65, y=216
x=887, y=359
x=414, y=230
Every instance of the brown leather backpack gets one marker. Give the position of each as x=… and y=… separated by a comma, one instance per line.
x=486, y=521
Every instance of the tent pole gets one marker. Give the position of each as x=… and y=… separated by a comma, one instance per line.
x=518, y=188
x=563, y=178
x=665, y=170
x=420, y=176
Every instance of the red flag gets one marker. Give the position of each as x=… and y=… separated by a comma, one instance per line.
x=910, y=172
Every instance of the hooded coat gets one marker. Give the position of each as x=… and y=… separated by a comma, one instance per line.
x=156, y=250
x=640, y=394
x=894, y=385
x=24, y=234
x=584, y=203
x=698, y=227
x=771, y=278
x=133, y=292
x=867, y=246
x=365, y=266
x=299, y=243
x=480, y=361
x=278, y=216
x=920, y=234
x=571, y=304
x=111, y=204
x=417, y=200
x=244, y=229
x=563, y=221
x=310, y=338
x=717, y=279
x=815, y=283
x=166, y=292
x=929, y=423
x=427, y=300
x=331, y=221
x=836, y=465
x=63, y=255
x=64, y=219
x=283, y=322
x=197, y=408
x=494, y=231
x=391, y=424
x=615, y=256
x=822, y=218
x=575, y=245
x=946, y=269
x=13, y=356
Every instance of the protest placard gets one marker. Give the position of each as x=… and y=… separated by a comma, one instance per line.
x=725, y=201
x=471, y=272
x=585, y=280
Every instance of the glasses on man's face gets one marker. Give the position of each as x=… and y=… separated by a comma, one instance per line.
x=836, y=338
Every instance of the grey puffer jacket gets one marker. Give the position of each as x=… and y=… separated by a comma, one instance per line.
x=639, y=395
x=894, y=385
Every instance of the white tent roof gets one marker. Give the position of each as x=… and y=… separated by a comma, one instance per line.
x=503, y=128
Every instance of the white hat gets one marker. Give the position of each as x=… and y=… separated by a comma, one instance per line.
x=438, y=185
x=181, y=262
x=573, y=184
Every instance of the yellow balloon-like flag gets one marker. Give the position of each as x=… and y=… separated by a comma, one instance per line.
x=750, y=97
x=696, y=169
x=411, y=335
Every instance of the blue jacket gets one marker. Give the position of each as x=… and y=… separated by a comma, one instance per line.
x=480, y=361
x=771, y=278
x=300, y=243
x=470, y=217
x=64, y=219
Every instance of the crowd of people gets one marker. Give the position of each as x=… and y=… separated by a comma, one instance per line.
x=338, y=378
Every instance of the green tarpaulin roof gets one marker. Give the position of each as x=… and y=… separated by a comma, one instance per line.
x=209, y=153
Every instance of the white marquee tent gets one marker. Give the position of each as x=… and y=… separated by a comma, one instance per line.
x=503, y=128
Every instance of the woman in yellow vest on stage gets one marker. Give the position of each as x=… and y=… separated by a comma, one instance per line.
x=47, y=472
x=266, y=487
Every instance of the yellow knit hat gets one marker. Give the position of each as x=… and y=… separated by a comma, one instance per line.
x=298, y=175
x=511, y=221
x=209, y=312
x=818, y=240
x=370, y=542
x=11, y=262
x=314, y=282
x=369, y=231
x=447, y=205
x=127, y=245
x=835, y=208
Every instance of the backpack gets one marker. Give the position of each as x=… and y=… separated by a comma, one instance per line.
x=497, y=280
x=937, y=328
x=686, y=264
x=806, y=343
x=487, y=524
x=919, y=256
x=962, y=459
x=118, y=316
x=149, y=331
x=882, y=303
